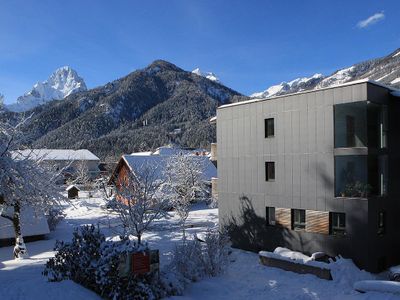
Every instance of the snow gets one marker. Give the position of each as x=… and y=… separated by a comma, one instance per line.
x=296, y=85
x=62, y=83
x=209, y=75
x=398, y=53
x=293, y=256
x=245, y=277
x=72, y=186
x=382, y=286
x=31, y=224
x=56, y=154
x=395, y=80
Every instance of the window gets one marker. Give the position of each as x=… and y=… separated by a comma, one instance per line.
x=269, y=128
x=270, y=215
x=350, y=131
x=338, y=223
x=381, y=222
x=269, y=171
x=298, y=219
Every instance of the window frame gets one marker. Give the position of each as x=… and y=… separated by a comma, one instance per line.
x=381, y=224
x=299, y=226
x=337, y=229
x=267, y=129
x=268, y=169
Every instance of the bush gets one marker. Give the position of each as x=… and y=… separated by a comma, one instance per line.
x=195, y=259
x=93, y=262
x=54, y=216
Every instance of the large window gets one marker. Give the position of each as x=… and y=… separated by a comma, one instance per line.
x=351, y=176
x=269, y=171
x=269, y=127
x=351, y=125
x=298, y=219
x=337, y=223
x=270, y=215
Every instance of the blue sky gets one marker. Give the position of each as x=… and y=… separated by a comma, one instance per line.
x=250, y=45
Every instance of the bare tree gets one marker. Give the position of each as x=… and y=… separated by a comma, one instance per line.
x=139, y=200
x=185, y=174
x=82, y=173
x=25, y=182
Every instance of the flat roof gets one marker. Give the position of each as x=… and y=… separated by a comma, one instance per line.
x=366, y=80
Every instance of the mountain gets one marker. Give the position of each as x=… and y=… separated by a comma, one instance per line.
x=137, y=112
x=296, y=85
x=208, y=75
x=62, y=83
x=385, y=70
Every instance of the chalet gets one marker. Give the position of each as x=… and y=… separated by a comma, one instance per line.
x=157, y=161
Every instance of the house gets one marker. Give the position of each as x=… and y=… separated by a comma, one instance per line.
x=157, y=161
x=72, y=160
x=319, y=172
x=73, y=191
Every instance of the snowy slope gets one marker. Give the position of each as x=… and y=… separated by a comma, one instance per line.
x=385, y=70
x=294, y=86
x=63, y=82
x=209, y=75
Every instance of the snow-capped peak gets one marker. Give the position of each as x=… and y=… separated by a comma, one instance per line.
x=209, y=75
x=294, y=86
x=62, y=83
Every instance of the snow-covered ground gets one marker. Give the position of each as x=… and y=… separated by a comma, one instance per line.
x=245, y=277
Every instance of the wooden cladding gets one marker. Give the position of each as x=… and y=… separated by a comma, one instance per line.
x=317, y=221
x=283, y=217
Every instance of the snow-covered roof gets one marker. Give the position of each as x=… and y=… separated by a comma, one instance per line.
x=56, y=154
x=158, y=163
x=32, y=223
x=72, y=186
x=171, y=150
x=366, y=80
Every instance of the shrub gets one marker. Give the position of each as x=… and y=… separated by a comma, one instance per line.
x=195, y=259
x=54, y=216
x=93, y=262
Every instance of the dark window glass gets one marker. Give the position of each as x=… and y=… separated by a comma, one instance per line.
x=269, y=127
x=298, y=219
x=350, y=131
x=338, y=223
x=270, y=215
x=269, y=171
x=381, y=222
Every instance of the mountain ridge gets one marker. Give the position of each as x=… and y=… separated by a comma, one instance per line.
x=384, y=70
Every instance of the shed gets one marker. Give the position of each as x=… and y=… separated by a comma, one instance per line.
x=73, y=191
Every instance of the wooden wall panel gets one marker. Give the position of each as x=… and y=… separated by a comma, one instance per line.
x=317, y=221
x=283, y=217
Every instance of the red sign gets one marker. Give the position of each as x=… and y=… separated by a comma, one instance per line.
x=140, y=263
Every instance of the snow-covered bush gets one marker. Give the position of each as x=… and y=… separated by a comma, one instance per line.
x=93, y=262
x=196, y=259
x=54, y=216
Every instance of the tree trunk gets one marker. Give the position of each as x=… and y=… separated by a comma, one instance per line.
x=139, y=238
x=19, y=248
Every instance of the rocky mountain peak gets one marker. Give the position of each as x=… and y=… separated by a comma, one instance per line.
x=62, y=83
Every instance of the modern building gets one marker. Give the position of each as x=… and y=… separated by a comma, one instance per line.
x=314, y=171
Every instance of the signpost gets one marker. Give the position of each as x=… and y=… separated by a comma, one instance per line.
x=139, y=263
